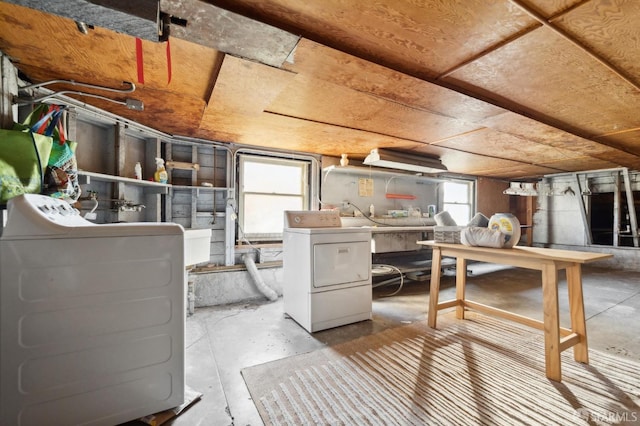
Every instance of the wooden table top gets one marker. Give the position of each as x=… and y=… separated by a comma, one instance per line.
x=524, y=252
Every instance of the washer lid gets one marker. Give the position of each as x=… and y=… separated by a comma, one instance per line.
x=35, y=216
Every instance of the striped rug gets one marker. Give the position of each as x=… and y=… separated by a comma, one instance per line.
x=480, y=371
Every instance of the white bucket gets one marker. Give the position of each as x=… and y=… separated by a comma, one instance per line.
x=509, y=225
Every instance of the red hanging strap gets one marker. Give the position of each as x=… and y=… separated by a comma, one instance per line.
x=168, y=62
x=139, y=60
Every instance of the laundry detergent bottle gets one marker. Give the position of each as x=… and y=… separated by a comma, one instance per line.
x=161, y=174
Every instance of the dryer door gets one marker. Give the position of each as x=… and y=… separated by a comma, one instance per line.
x=341, y=263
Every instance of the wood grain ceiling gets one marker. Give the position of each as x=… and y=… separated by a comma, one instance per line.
x=497, y=88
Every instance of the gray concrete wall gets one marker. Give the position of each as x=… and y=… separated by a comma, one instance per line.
x=558, y=222
x=342, y=184
x=226, y=287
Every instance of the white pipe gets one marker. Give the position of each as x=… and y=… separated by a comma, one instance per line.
x=267, y=291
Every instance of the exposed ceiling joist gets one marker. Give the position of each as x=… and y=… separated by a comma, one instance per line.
x=228, y=32
x=138, y=18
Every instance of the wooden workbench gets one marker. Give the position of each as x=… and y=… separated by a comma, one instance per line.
x=549, y=262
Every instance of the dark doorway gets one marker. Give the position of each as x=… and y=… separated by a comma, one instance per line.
x=602, y=225
x=602, y=218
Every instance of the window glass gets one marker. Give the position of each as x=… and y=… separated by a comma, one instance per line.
x=264, y=214
x=456, y=192
x=459, y=212
x=268, y=187
x=458, y=201
x=272, y=177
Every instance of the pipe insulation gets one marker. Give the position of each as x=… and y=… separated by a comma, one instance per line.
x=267, y=291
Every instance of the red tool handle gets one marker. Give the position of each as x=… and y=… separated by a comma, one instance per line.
x=401, y=196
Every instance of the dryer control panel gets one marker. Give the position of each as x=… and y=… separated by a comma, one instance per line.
x=312, y=219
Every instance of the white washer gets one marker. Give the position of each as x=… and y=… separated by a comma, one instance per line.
x=92, y=317
x=327, y=271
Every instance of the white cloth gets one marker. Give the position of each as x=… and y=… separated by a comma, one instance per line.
x=482, y=237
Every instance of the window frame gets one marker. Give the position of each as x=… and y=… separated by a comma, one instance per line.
x=306, y=166
x=471, y=196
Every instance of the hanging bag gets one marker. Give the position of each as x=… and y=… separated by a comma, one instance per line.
x=61, y=175
x=25, y=152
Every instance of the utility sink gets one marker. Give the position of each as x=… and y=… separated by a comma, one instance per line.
x=197, y=246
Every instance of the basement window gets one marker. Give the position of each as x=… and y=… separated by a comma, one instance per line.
x=458, y=200
x=268, y=187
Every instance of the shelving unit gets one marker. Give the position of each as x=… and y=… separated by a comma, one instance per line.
x=188, y=167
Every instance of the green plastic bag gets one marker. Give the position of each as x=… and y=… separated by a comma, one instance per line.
x=24, y=155
x=61, y=174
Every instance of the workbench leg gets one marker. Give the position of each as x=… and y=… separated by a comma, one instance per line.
x=434, y=288
x=551, y=321
x=461, y=282
x=576, y=308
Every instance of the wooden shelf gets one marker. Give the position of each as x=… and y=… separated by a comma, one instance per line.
x=146, y=183
x=112, y=178
x=201, y=188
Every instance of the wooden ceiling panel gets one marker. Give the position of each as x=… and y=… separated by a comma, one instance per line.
x=420, y=38
x=556, y=81
x=518, y=172
x=321, y=62
x=627, y=141
x=314, y=100
x=621, y=158
x=551, y=8
x=541, y=133
x=287, y=133
x=462, y=162
x=376, y=81
x=246, y=87
x=479, y=165
x=527, y=128
x=596, y=24
x=505, y=145
x=582, y=163
x=180, y=116
x=102, y=57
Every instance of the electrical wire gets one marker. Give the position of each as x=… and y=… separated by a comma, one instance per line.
x=129, y=103
x=388, y=268
x=244, y=239
x=372, y=220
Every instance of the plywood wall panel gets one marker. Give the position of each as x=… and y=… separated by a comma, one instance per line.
x=491, y=200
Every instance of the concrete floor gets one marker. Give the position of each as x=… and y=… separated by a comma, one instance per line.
x=224, y=339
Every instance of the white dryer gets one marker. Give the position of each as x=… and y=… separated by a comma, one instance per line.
x=327, y=271
x=92, y=317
